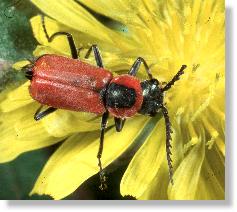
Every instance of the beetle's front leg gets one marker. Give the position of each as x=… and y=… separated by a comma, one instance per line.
x=136, y=65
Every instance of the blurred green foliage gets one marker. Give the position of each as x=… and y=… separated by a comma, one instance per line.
x=18, y=176
x=16, y=39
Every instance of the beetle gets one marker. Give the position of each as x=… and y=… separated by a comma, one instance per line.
x=69, y=83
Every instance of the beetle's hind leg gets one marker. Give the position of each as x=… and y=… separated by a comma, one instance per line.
x=71, y=42
x=97, y=55
x=41, y=114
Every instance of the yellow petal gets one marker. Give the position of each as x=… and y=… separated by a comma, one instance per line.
x=60, y=45
x=123, y=11
x=145, y=164
x=209, y=187
x=187, y=175
x=21, y=133
x=41, y=50
x=63, y=123
x=75, y=161
x=16, y=98
x=74, y=16
x=157, y=188
x=19, y=65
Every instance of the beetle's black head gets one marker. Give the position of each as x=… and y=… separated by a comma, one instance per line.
x=152, y=97
x=28, y=71
x=153, y=93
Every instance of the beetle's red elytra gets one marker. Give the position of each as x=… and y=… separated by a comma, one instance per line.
x=71, y=84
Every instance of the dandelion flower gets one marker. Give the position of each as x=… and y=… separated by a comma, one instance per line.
x=167, y=34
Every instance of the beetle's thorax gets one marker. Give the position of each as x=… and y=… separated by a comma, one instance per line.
x=123, y=97
x=152, y=97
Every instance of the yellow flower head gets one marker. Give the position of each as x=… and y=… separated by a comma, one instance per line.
x=167, y=34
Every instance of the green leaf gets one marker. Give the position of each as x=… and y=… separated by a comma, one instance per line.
x=18, y=177
x=16, y=41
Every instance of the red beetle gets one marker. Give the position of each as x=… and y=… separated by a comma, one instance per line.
x=71, y=84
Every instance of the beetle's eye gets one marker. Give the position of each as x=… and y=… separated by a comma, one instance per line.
x=154, y=81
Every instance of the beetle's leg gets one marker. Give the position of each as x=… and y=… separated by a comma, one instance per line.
x=175, y=78
x=97, y=55
x=136, y=65
x=69, y=38
x=105, y=116
x=79, y=51
x=41, y=114
x=168, y=140
x=119, y=123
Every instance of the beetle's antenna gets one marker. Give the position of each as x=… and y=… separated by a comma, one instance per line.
x=175, y=78
x=44, y=27
x=168, y=140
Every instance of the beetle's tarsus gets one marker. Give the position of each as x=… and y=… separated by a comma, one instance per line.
x=103, y=185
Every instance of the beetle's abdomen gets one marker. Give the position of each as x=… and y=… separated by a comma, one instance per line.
x=69, y=84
